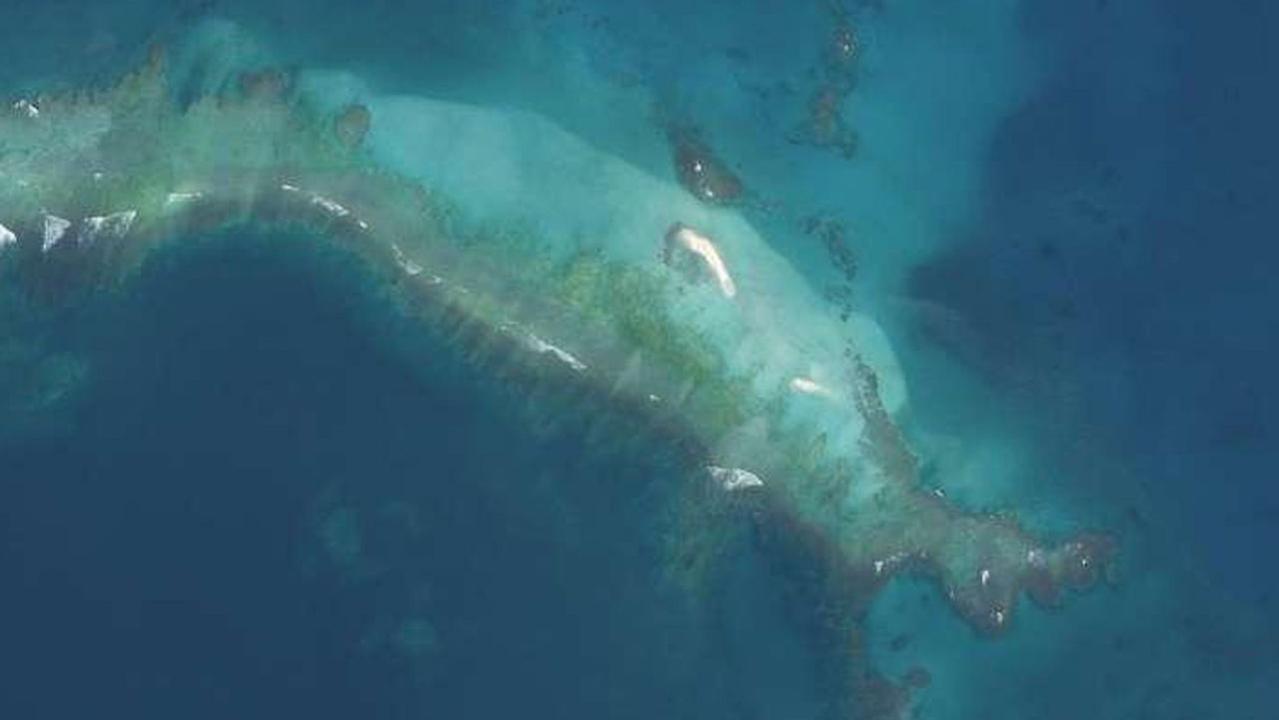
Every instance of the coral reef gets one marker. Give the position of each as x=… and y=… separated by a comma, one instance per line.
x=785, y=415
x=825, y=125
x=700, y=170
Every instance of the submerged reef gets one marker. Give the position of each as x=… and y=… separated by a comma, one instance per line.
x=825, y=125
x=700, y=170
x=833, y=237
x=704, y=337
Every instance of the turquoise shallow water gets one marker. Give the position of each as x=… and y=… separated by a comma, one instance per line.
x=1058, y=217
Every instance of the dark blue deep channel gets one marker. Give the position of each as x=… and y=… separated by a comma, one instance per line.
x=280, y=499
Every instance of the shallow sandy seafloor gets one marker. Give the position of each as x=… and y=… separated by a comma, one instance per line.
x=549, y=259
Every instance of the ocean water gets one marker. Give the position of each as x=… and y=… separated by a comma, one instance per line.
x=263, y=509
x=274, y=493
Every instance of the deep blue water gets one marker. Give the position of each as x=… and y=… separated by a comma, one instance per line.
x=1126, y=256
x=1119, y=293
x=168, y=558
x=1114, y=299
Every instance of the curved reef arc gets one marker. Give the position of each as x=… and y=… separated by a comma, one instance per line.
x=791, y=416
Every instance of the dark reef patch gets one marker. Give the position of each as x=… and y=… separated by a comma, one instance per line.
x=702, y=173
x=825, y=125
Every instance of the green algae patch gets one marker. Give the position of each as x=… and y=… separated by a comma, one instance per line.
x=633, y=303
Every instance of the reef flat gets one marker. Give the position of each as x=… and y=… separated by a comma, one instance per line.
x=671, y=309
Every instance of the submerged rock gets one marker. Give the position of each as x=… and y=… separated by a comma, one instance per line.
x=834, y=238
x=825, y=126
x=352, y=125
x=701, y=171
x=264, y=85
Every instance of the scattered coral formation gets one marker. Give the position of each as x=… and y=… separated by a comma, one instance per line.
x=825, y=125
x=834, y=238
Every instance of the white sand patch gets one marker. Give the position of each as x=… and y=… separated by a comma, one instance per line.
x=702, y=246
x=809, y=386
x=182, y=197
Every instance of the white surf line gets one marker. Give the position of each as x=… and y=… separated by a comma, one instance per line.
x=7, y=237
x=889, y=562
x=54, y=229
x=116, y=224
x=540, y=346
x=732, y=479
x=410, y=268
x=328, y=205
x=701, y=245
x=332, y=207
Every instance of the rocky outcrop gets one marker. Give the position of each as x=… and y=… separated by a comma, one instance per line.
x=352, y=125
